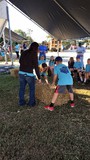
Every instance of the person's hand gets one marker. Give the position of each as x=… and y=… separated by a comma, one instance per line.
x=46, y=80
x=39, y=80
x=52, y=86
x=48, y=83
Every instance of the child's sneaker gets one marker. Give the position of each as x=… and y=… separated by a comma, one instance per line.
x=49, y=108
x=72, y=105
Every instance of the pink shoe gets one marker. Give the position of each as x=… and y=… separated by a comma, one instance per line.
x=49, y=108
x=72, y=105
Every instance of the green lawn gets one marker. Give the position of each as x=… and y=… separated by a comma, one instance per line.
x=37, y=134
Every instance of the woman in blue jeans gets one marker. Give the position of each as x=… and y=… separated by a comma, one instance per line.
x=28, y=62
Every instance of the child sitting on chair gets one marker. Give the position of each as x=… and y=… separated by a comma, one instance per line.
x=71, y=65
x=87, y=71
x=41, y=60
x=78, y=69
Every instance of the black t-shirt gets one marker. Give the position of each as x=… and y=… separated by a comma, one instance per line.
x=28, y=62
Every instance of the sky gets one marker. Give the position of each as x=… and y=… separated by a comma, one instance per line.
x=19, y=21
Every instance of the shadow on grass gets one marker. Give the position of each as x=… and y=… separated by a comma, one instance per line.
x=37, y=134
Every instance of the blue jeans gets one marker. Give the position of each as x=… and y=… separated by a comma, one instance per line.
x=24, y=79
x=42, y=54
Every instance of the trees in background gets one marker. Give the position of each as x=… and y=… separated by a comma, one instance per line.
x=24, y=34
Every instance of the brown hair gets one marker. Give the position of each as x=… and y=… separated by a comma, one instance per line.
x=34, y=47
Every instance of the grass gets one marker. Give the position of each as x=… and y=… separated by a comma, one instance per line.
x=36, y=134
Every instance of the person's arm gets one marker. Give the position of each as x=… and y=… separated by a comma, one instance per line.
x=49, y=63
x=46, y=50
x=55, y=76
x=84, y=49
x=20, y=59
x=54, y=79
x=86, y=68
x=46, y=79
x=74, y=65
x=35, y=64
x=40, y=48
x=77, y=50
x=68, y=64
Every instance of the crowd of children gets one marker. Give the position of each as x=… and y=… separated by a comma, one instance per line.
x=76, y=68
x=65, y=75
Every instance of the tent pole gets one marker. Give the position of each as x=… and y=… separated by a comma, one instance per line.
x=5, y=47
x=10, y=38
x=58, y=47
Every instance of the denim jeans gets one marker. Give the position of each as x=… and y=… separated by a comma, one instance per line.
x=24, y=79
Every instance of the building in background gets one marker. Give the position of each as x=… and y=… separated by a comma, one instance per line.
x=54, y=44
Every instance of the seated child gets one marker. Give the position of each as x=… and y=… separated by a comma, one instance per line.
x=51, y=64
x=43, y=71
x=87, y=71
x=78, y=69
x=71, y=65
x=41, y=60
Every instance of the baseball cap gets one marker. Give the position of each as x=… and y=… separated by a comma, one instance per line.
x=58, y=59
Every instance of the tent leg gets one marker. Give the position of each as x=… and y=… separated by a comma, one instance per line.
x=5, y=47
x=10, y=38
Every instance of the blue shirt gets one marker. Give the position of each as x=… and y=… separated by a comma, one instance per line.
x=78, y=65
x=88, y=68
x=51, y=63
x=2, y=53
x=41, y=62
x=64, y=74
x=43, y=48
x=26, y=73
x=80, y=50
x=17, y=47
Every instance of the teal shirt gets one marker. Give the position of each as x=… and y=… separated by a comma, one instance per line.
x=41, y=62
x=64, y=75
x=51, y=63
x=78, y=65
x=26, y=73
x=88, y=68
x=17, y=47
